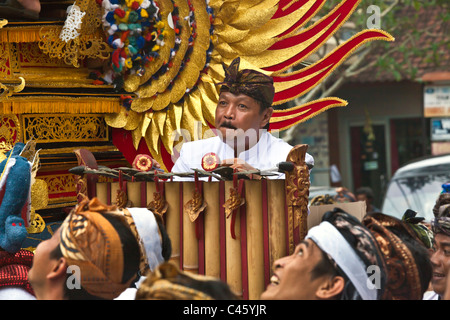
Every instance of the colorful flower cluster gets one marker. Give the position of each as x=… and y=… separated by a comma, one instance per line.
x=135, y=33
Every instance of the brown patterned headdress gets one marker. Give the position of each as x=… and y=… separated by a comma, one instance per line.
x=168, y=282
x=89, y=241
x=401, y=249
x=249, y=82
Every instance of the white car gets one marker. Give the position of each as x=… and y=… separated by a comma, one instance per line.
x=417, y=186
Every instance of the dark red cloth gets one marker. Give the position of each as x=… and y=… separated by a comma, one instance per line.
x=14, y=269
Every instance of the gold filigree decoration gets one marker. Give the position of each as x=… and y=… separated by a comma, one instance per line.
x=195, y=206
x=30, y=55
x=61, y=183
x=88, y=44
x=10, y=132
x=64, y=128
x=5, y=67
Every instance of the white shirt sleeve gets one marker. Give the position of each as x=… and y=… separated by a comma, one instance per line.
x=13, y=293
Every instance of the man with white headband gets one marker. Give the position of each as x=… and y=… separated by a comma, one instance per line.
x=339, y=259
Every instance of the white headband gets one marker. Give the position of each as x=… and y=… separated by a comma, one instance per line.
x=149, y=233
x=330, y=240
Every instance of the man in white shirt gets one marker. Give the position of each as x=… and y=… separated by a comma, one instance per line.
x=241, y=120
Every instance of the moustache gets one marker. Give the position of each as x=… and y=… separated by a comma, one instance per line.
x=227, y=125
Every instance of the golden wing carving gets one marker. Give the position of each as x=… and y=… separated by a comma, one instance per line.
x=173, y=74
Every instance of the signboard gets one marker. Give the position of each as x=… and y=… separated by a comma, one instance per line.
x=440, y=129
x=436, y=101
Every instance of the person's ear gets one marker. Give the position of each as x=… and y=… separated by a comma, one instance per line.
x=58, y=270
x=267, y=114
x=331, y=288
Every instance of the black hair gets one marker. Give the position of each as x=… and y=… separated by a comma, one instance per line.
x=367, y=191
x=166, y=242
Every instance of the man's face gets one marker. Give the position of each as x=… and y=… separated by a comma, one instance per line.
x=440, y=260
x=239, y=112
x=42, y=262
x=292, y=274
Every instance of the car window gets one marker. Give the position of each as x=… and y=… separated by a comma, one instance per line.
x=417, y=193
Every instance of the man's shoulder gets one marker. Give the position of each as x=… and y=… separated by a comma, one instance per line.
x=196, y=143
x=286, y=147
x=278, y=141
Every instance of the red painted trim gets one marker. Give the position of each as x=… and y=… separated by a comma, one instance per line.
x=222, y=232
x=181, y=225
x=143, y=194
x=200, y=233
x=265, y=215
x=108, y=193
x=244, y=259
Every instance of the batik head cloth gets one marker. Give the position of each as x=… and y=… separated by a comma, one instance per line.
x=168, y=282
x=89, y=241
x=353, y=249
x=405, y=281
x=249, y=82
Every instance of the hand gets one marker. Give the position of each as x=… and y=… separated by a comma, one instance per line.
x=240, y=165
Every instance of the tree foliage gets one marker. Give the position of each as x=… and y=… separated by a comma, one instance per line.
x=399, y=18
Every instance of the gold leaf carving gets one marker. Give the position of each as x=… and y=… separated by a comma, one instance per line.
x=195, y=206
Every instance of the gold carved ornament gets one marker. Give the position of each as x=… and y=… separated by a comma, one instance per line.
x=297, y=192
x=159, y=204
x=79, y=38
x=65, y=127
x=234, y=202
x=197, y=203
x=8, y=90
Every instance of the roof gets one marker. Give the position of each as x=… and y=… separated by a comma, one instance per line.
x=432, y=31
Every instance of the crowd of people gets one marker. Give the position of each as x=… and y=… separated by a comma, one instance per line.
x=104, y=252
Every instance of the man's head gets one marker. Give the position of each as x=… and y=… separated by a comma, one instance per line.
x=406, y=257
x=245, y=101
x=93, y=255
x=148, y=228
x=440, y=258
x=364, y=194
x=331, y=263
x=168, y=282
